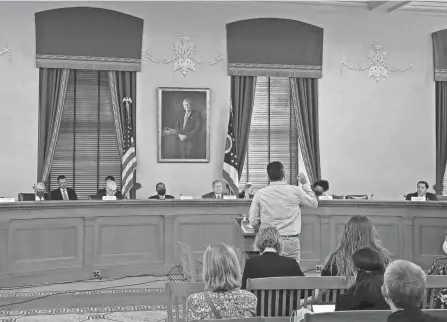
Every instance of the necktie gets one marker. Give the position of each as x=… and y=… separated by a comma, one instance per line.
x=218, y=196
x=64, y=194
x=185, y=120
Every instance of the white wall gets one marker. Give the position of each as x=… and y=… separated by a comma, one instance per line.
x=375, y=138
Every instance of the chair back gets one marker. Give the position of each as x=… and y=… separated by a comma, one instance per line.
x=279, y=296
x=188, y=262
x=26, y=196
x=358, y=197
x=94, y=197
x=255, y=319
x=177, y=294
x=338, y=197
x=364, y=316
x=435, y=284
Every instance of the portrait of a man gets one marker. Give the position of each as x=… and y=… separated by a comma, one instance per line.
x=183, y=125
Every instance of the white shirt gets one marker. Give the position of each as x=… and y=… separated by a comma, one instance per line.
x=39, y=199
x=278, y=205
x=66, y=192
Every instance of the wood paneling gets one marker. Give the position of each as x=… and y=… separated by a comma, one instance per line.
x=58, y=241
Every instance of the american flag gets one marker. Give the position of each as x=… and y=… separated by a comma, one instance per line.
x=230, y=166
x=129, y=162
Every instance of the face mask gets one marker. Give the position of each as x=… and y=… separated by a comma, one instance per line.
x=161, y=192
x=40, y=193
x=318, y=193
x=444, y=247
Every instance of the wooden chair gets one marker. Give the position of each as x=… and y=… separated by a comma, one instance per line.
x=190, y=272
x=177, y=294
x=28, y=196
x=279, y=296
x=364, y=316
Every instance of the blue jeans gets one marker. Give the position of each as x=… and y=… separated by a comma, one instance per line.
x=292, y=247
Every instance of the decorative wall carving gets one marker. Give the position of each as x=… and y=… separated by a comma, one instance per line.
x=219, y=60
x=6, y=50
x=184, y=57
x=148, y=56
x=377, y=63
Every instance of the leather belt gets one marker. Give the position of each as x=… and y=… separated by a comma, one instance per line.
x=290, y=236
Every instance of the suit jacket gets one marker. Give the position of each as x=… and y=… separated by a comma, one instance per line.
x=428, y=195
x=56, y=194
x=102, y=193
x=158, y=197
x=193, y=125
x=212, y=195
x=271, y=264
x=412, y=315
x=32, y=197
x=362, y=300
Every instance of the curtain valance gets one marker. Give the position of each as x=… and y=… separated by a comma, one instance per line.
x=274, y=47
x=88, y=38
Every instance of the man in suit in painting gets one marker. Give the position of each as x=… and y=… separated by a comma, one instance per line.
x=63, y=192
x=188, y=128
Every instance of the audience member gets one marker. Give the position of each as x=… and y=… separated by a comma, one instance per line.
x=403, y=289
x=161, y=192
x=270, y=264
x=359, y=233
x=222, y=298
x=247, y=192
x=279, y=205
x=366, y=293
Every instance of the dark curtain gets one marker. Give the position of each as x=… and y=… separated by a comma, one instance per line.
x=126, y=86
x=305, y=103
x=52, y=89
x=242, y=100
x=441, y=134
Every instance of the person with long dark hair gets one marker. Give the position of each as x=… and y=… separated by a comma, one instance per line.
x=366, y=293
x=359, y=233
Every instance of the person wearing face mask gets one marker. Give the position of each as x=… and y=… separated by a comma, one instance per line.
x=320, y=187
x=39, y=191
x=247, y=193
x=161, y=192
x=422, y=187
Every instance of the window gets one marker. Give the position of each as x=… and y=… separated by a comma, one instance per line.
x=87, y=149
x=273, y=133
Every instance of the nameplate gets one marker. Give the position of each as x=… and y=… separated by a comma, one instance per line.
x=229, y=197
x=7, y=200
x=325, y=198
x=186, y=198
x=418, y=199
x=109, y=198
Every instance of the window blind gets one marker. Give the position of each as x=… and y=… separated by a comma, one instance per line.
x=273, y=133
x=86, y=150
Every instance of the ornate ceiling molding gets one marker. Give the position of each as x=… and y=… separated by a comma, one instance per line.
x=6, y=50
x=377, y=63
x=184, y=57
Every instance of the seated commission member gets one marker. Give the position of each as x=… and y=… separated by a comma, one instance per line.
x=217, y=192
x=161, y=192
x=63, y=193
x=422, y=187
x=110, y=190
x=188, y=127
x=278, y=205
x=103, y=190
x=39, y=193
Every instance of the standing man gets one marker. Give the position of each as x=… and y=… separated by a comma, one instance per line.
x=63, y=193
x=188, y=128
x=278, y=205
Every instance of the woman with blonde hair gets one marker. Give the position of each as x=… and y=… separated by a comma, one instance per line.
x=247, y=192
x=222, y=298
x=359, y=233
